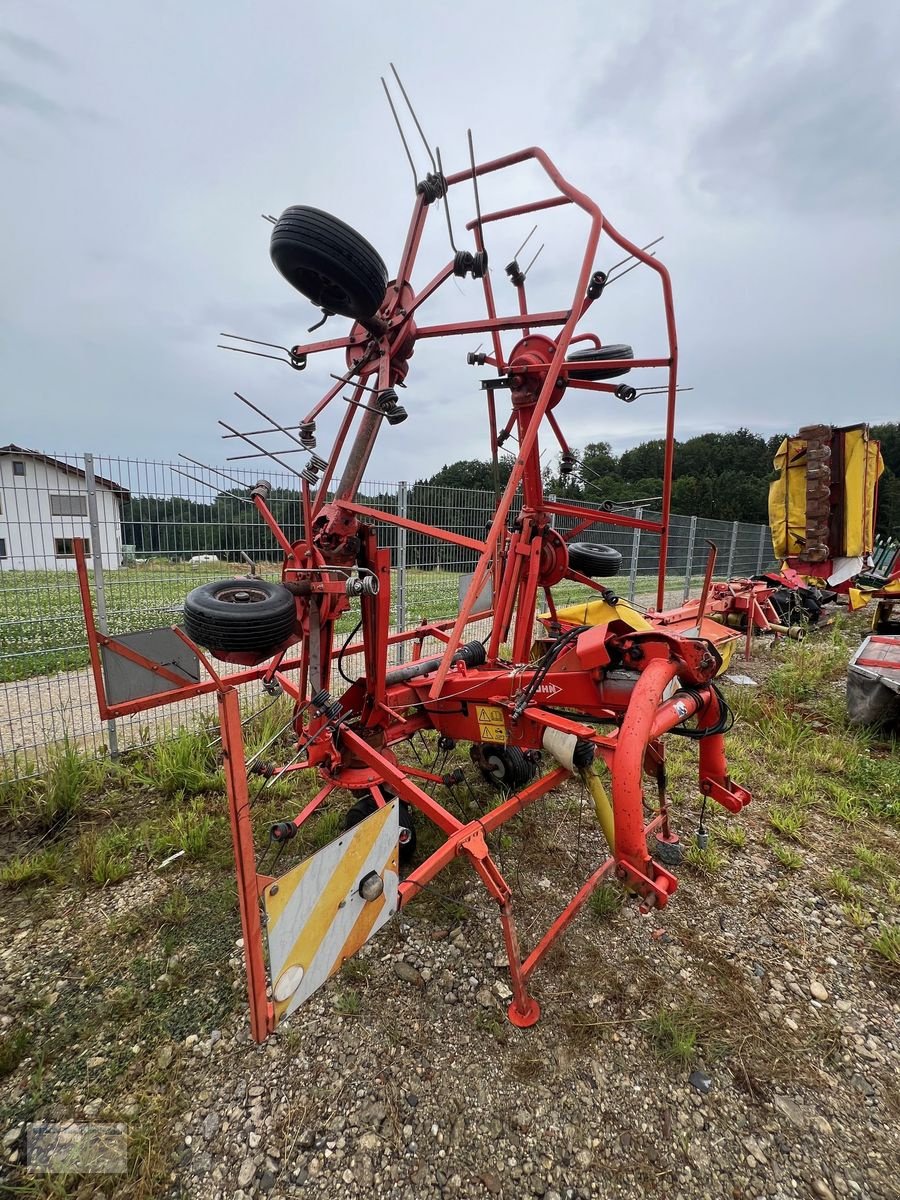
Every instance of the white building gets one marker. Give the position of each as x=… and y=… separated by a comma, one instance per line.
x=44, y=505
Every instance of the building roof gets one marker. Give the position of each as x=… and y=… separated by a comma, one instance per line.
x=122, y=492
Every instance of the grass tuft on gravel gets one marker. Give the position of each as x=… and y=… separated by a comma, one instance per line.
x=183, y=765
x=887, y=944
x=44, y=866
x=788, y=857
x=606, y=900
x=787, y=820
x=103, y=858
x=674, y=1033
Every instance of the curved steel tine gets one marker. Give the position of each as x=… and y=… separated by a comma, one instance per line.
x=534, y=260
x=440, y=171
x=525, y=243
x=413, y=115
x=621, y=274
x=215, y=470
x=239, y=337
x=400, y=131
x=474, y=181
x=629, y=257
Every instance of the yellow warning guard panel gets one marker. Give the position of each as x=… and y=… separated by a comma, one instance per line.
x=323, y=910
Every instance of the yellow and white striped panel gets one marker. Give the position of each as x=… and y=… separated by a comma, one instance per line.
x=316, y=917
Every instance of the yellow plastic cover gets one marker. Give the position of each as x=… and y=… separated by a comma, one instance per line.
x=862, y=465
x=599, y=612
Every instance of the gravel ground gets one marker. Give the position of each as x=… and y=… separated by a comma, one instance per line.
x=402, y=1077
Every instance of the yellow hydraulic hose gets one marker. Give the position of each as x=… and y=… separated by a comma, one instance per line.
x=602, y=807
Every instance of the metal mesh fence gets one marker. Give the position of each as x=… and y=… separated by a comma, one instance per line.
x=154, y=531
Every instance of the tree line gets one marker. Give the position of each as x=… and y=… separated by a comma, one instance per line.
x=723, y=476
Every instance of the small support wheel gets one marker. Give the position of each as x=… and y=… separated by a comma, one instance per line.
x=503, y=767
x=524, y=1020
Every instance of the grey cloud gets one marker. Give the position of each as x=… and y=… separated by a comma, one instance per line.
x=817, y=129
x=19, y=96
x=31, y=49
x=140, y=240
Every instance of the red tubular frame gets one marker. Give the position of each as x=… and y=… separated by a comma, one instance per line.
x=353, y=748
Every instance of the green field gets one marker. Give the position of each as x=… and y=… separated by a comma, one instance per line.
x=42, y=628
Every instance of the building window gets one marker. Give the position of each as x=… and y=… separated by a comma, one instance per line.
x=65, y=547
x=68, y=505
x=2, y=547
x=18, y=466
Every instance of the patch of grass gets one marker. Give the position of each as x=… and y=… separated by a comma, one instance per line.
x=887, y=944
x=846, y=807
x=856, y=915
x=582, y=1027
x=173, y=910
x=330, y=824
x=13, y=1048
x=348, y=1003
x=799, y=787
x=103, y=858
x=606, y=900
x=873, y=773
x=842, y=885
x=16, y=788
x=268, y=729
x=183, y=765
x=870, y=860
x=674, y=1033
x=788, y=732
x=357, y=970
x=733, y=835
x=44, y=866
x=806, y=666
x=707, y=860
x=490, y=1023
x=62, y=791
x=787, y=820
x=788, y=857
x=191, y=830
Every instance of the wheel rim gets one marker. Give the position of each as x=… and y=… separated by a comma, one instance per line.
x=241, y=593
x=330, y=295
x=496, y=768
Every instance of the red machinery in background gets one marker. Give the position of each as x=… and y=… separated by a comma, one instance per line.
x=536, y=713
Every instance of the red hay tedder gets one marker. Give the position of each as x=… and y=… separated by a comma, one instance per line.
x=536, y=711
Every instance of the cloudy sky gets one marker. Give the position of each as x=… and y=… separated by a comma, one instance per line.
x=141, y=141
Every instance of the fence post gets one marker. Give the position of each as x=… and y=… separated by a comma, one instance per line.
x=635, y=553
x=732, y=548
x=689, y=568
x=552, y=499
x=401, y=569
x=99, y=582
x=763, y=530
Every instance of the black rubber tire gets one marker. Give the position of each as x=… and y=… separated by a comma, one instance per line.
x=365, y=806
x=594, y=560
x=506, y=767
x=590, y=355
x=215, y=615
x=797, y=606
x=328, y=262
